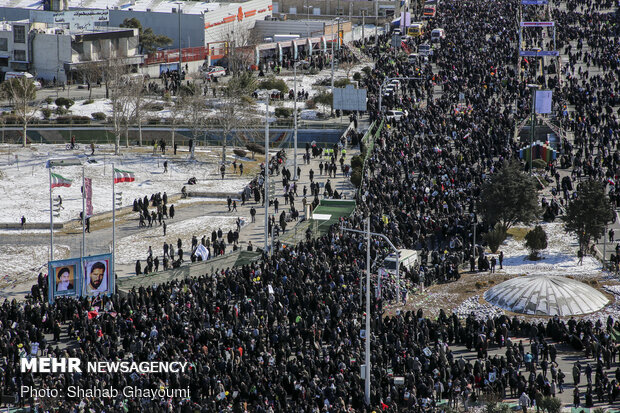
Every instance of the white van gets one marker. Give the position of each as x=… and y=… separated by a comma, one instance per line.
x=408, y=258
x=437, y=35
x=19, y=75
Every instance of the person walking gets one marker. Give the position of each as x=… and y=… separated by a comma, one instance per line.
x=253, y=214
x=501, y=259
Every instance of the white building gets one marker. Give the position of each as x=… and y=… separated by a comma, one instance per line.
x=55, y=53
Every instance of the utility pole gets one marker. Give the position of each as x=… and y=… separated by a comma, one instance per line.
x=266, y=180
x=363, y=24
x=533, y=120
x=376, y=23
x=333, y=58
x=367, y=343
x=178, y=3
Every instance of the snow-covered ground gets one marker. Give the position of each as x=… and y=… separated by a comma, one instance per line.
x=24, y=187
x=135, y=247
x=559, y=258
x=22, y=263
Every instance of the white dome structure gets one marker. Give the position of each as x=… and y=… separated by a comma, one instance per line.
x=546, y=295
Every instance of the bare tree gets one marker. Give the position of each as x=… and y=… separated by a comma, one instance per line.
x=120, y=99
x=176, y=116
x=21, y=92
x=91, y=72
x=231, y=113
x=194, y=112
x=136, y=91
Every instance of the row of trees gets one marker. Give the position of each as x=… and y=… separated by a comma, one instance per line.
x=511, y=196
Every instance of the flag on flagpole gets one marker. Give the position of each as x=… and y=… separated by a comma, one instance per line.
x=58, y=180
x=123, y=176
x=88, y=187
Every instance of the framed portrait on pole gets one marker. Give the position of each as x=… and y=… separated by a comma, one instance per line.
x=98, y=275
x=64, y=279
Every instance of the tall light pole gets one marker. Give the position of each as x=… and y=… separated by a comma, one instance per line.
x=533, y=87
x=266, y=180
x=367, y=330
x=178, y=3
x=295, y=117
x=333, y=58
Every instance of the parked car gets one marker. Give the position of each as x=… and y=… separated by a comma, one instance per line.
x=213, y=71
x=395, y=114
x=425, y=50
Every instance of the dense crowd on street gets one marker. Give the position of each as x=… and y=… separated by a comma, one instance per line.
x=284, y=334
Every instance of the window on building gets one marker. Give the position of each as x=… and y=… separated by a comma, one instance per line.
x=19, y=34
x=340, y=12
x=4, y=44
x=19, y=55
x=292, y=10
x=4, y=61
x=316, y=11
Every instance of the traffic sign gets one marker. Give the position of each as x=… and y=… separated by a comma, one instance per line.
x=537, y=53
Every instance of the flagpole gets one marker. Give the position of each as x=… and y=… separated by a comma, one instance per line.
x=113, y=222
x=51, y=219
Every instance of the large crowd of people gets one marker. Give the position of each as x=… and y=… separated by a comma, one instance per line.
x=284, y=334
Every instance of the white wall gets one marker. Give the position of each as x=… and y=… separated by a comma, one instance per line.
x=226, y=31
x=46, y=53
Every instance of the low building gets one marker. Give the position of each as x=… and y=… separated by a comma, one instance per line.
x=50, y=52
x=352, y=9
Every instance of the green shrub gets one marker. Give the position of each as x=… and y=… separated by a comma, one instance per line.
x=88, y=102
x=356, y=177
x=357, y=76
x=47, y=112
x=310, y=104
x=273, y=83
x=73, y=119
x=240, y=152
x=11, y=120
x=495, y=237
x=536, y=240
x=153, y=106
x=62, y=101
x=313, y=71
x=550, y=404
x=539, y=164
x=61, y=110
x=367, y=70
x=153, y=121
x=342, y=82
x=49, y=100
x=284, y=112
x=99, y=116
x=255, y=148
x=324, y=98
x=248, y=100
x=357, y=162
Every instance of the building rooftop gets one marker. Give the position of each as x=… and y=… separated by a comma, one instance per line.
x=164, y=6
x=546, y=295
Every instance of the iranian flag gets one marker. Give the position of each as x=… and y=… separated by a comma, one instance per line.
x=123, y=176
x=58, y=180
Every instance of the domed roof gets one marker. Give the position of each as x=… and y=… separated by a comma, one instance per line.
x=546, y=295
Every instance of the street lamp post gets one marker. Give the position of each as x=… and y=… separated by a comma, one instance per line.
x=389, y=79
x=178, y=3
x=295, y=177
x=533, y=120
x=367, y=331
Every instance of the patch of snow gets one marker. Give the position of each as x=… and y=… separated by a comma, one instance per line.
x=559, y=258
x=20, y=261
x=135, y=247
x=24, y=189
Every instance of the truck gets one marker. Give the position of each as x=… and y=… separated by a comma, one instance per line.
x=408, y=258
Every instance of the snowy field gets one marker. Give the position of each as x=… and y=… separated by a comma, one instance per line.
x=559, y=258
x=22, y=263
x=24, y=185
x=135, y=247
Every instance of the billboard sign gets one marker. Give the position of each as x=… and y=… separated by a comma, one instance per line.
x=535, y=2
x=350, y=98
x=98, y=276
x=64, y=278
x=81, y=19
x=539, y=53
x=544, y=98
x=537, y=24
